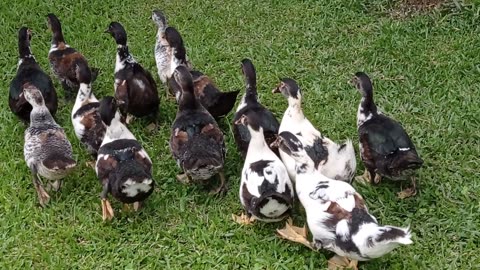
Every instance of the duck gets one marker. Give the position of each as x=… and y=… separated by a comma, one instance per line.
x=266, y=191
x=87, y=123
x=135, y=88
x=386, y=149
x=336, y=214
x=47, y=150
x=250, y=103
x=29, y=71
x=170, y=52
x=336, y=161
x=196, y=142
x=65, y=60
x=123, y=167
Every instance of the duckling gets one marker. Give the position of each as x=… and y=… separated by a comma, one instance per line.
x=249, y=103
x=170, y=52
x=266, y=191
x=29, y=71
x=86, y=120
x=331, y=159
x=47, y=151
x=385, y=147
x=135, y=88
x=196, y=143
x=337, y=215
x=123, y=166
x=64, y=59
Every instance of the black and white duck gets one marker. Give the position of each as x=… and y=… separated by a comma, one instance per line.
x=336, y=161
x=123, y=166
x=249, y=103
x=29, y=71
x=170, y=52
x=385, y=147
x=266, y=191
x=196, y=142
x=135, y=89
x=86, y=119
x=64, y=60
x=337, y=215
x=47, y=151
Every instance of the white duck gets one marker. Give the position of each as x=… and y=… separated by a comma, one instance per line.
x=266, y=191
x=337, y=215
x=331, y=159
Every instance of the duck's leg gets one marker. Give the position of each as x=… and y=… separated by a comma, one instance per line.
x=377, y=178
x=295, y=234
x=137, y=206
x=43, y=196
x=409, y=192
x=338, y=262
x=129, y=119
x=107, y=211
x=91, y=163
x=366, y=177
x=244, y=219
x=184, y=178
x=55, y=186
x=222, y=187
x=127, y=208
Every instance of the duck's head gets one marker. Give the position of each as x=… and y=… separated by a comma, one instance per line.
x=363, y=83
x=118, y=33
x=33, y=95
x=252, y=121
x=249, y=73
x=289, y=88
x=24, y=36
x=108, y=110
x=53, y=23
x=159, y=19
x=292, y=146
x=375, y=241
x=175, y=41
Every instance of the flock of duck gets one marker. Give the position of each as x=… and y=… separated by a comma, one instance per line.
x=280, y=159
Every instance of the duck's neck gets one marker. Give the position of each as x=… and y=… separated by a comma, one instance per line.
x=294, y=110
x=40, y=116
x=367, y=103
x=123, y=54
x=24, y=49
x=257, y=142
x=188, y=101
x=57, y=37
x=251, y=94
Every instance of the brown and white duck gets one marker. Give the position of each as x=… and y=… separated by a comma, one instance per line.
x=196, y=142
x=65, y=60
x=123, y=166
x=135, y=89
x=47, y=150
x=385, y=147
x=86, y=119
x=249, y=103
x=29, y=71
x=170, y=52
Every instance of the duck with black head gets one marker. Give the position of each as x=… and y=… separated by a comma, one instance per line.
x=336, y=161
x=196, y=141
x=337, y=215
x=266, y=191
x=123, y=166
x=85, y=116
x=29, y=72
x=65, y=61
x=385, y=147
x=47, y=150
x=135, y=89
x=170, y=52
x=250, y=103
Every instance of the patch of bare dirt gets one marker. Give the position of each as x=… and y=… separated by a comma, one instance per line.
x=406, y=8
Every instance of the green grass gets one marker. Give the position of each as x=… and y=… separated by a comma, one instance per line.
x=426, y=72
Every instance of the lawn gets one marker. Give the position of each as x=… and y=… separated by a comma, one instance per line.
x=425, y=66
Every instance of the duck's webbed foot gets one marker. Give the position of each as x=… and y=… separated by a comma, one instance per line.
x=409, y=192
x=43, y=197
x=295, y=234
x=184, y=178
x=244, y=219
x=107, y=210
x=365, y=178
x=222, y=188
x=338, y=262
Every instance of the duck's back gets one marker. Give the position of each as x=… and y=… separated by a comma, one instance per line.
x=46, y=142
